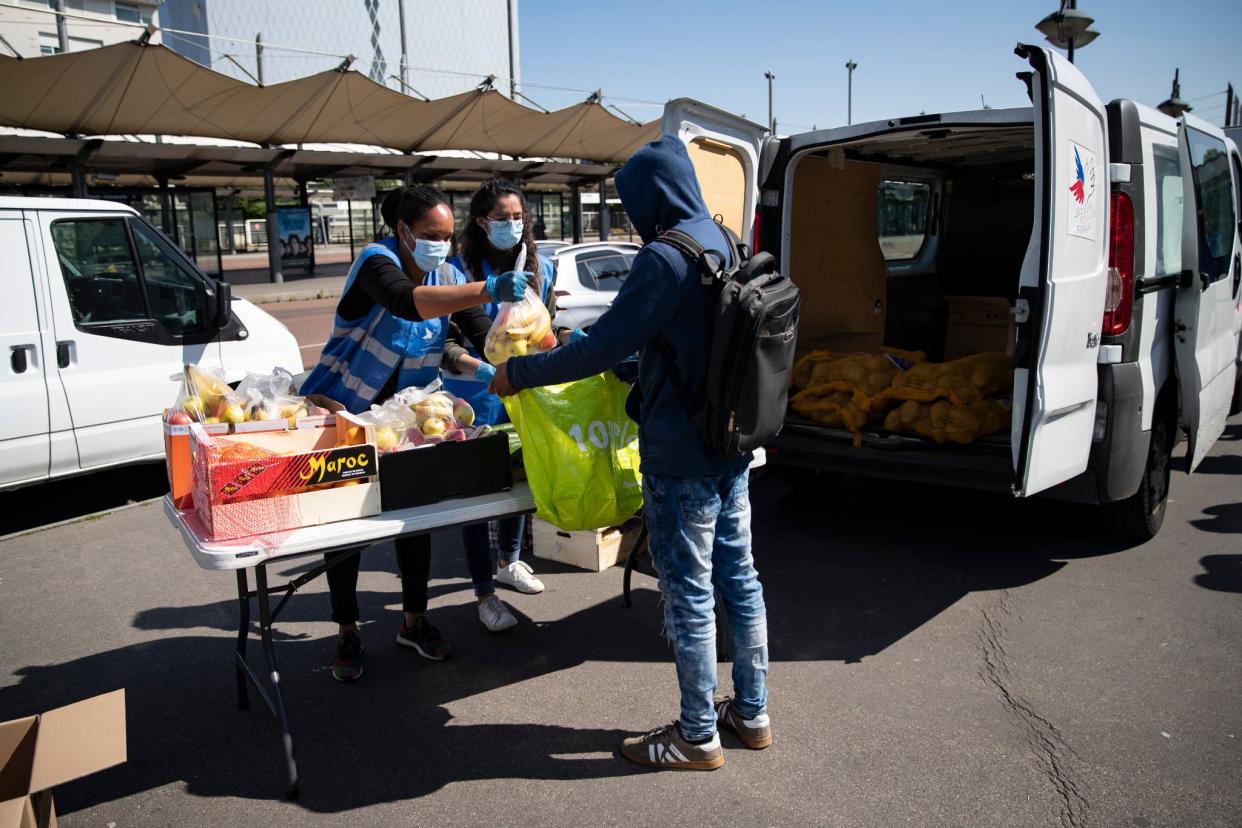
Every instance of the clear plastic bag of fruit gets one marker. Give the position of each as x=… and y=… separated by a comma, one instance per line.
x=202, y=391
x=436, y=412
x=278, y=383
x=520, y=328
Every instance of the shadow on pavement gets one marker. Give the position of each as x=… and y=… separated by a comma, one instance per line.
x=1225, y=518
x=44, y=503
x=849, y=568
x=1222, y=573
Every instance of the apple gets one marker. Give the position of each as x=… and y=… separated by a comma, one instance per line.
x=463, y=413
x=178, y=418
x=211, y=421
x=231, y=412
x=386, y=439
x=193, y=405
x=434, y=426
x=295, y=416
x=455, y=435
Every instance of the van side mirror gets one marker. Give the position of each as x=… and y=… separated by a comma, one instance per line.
x=224, y=304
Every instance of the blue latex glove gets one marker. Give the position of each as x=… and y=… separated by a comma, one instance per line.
x=577, y=335
x=507, y=287
x=484, y=372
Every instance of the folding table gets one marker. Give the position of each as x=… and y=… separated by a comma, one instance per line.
x=259, y=551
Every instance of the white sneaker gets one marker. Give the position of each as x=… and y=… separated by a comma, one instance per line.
x=495, y=615
x=518, y=575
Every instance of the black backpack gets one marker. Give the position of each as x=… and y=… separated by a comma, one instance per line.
x=754, y=335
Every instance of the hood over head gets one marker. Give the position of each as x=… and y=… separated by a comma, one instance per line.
x=659, y=189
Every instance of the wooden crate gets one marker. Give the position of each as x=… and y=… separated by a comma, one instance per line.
x=594, y=550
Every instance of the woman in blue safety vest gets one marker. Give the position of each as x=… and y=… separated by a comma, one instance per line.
x=496, y=238
x=389, y=333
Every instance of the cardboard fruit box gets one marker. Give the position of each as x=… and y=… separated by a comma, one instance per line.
x=594, y=550
x=254, y=483
x=177, y=444
x=40, y=752
x=429, y=474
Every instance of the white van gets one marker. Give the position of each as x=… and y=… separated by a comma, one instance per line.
x=100, y=311
x=1109, y=232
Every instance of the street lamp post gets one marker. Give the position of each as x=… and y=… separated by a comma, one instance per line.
x=771, y=120
x=850, y=66
x=1068, y=28
x=1175, y=107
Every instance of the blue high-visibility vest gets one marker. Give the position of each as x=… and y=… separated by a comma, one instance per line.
x=362, y=354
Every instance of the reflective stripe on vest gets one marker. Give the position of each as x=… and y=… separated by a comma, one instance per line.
x=362, y=354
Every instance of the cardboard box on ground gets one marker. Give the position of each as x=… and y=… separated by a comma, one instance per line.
x=39, y=752
x=593, y=549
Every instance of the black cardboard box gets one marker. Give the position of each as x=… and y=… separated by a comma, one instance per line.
x=417, y=477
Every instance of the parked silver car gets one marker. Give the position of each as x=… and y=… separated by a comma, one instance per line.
x=588, y=277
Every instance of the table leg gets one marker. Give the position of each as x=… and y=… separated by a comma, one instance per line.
x=269, y=660
x=243, y=635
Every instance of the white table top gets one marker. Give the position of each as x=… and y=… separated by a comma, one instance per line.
x=243, y=553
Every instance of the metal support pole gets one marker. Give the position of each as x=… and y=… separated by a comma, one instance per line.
x=258, y=57
x=78, y=175
x=228, y=223
x=771, y=120
x=1229, y=105
x=850, y=66
x=166, y=214
x=605, y=219
x=1069, y=52
x=304, y=198
x=273, y=232
x=513, y=49
x=350, y=206
x=405, y=60
x=575, y=213
x=62, y=27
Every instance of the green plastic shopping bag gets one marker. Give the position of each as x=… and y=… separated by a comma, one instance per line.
x=580, y=450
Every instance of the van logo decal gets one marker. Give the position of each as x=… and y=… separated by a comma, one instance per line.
x=1082, y=215
x=1093, y=340
x=1077, y=187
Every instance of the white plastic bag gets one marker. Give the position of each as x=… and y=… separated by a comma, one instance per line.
x=520, y=328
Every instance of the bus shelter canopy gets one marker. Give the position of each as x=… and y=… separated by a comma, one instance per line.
x=136, y=88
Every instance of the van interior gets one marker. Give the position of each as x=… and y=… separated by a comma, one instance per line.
x=911, y=240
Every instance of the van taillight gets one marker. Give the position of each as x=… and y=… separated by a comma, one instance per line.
x=756, y=233
x=1119, y=297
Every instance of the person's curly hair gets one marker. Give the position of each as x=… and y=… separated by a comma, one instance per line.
x=472, y=241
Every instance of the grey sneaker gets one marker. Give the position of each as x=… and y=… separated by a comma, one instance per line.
x=755, y=733
x=665, y=748
x=495, y=615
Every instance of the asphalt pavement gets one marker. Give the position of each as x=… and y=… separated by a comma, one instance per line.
x=938, y=658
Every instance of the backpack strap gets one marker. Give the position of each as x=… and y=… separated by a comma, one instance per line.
x=710, y=263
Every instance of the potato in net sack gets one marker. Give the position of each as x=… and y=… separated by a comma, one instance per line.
x=520, y=328
x=835, y=409
x=865, y=376
x=806, y=364
x=961, y=381
x=943, y=422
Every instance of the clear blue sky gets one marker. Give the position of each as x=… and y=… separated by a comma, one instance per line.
x=911, y=56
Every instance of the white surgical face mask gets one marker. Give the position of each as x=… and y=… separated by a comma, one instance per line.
x=427, y=254
x=504, y=235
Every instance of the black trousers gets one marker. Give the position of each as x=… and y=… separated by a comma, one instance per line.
x=414, y=563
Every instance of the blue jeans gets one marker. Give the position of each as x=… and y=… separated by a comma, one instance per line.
x=700, y=543
x=479, y=550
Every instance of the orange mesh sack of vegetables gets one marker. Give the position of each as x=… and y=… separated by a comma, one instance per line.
x=806, y=364
x=961, y=381
x=520, y=328
x=835, y=409
x=944, y=422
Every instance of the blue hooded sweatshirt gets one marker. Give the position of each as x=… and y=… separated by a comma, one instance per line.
x=662, y=295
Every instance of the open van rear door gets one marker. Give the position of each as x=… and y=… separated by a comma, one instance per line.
x=725, y=151
x=1204, y=343
x=1060, y=305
